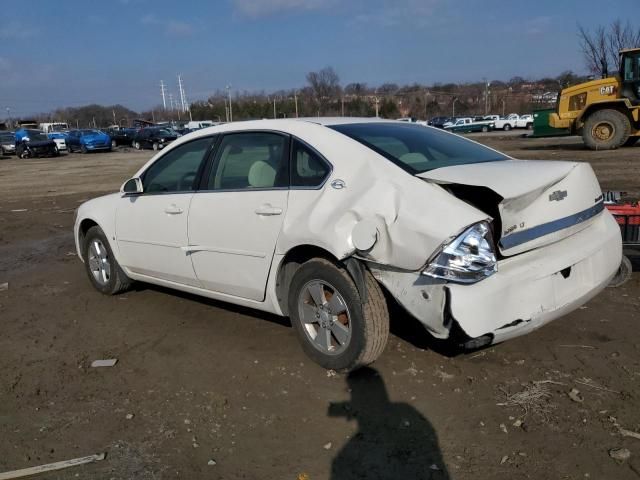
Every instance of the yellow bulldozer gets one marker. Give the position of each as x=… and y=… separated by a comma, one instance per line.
x=605, y=112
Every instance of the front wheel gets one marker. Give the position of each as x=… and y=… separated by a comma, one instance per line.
x=23, y=152
x=623, y=274
x=336, y=328
x=507, y=127
x=102, y=268
x=485, y=129
x=114, y=144
x=83, y=149
x=155, y=146
x=137, y=145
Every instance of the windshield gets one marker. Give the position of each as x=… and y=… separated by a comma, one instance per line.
x=6, y=137
x=91, y=132
x=417, y=149
x=36, y=136
x=59, y=127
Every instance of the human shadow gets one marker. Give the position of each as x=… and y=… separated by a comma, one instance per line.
x=393, y=441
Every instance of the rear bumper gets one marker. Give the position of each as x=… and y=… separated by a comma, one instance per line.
x=536, y=287
x=528, y=290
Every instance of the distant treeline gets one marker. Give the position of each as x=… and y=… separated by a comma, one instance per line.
x=325, y=96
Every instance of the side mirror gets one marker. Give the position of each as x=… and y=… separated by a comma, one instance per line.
x=132, y=186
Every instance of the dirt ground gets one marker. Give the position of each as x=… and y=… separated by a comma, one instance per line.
x=207, y=390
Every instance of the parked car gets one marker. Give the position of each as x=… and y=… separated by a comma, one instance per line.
x=88, y=140
x=121, y=136
x=60, y=138
x=506, y=123
x=155, y=138
x=439, y=122
x=7, y=143
x=34, y=143
x=468, y=125
x=316, y=219
x=525, y=121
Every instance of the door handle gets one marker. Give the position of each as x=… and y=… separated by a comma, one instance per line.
x=268, y=210
x=173, y=209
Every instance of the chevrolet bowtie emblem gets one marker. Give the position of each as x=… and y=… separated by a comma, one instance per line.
x=558, y=195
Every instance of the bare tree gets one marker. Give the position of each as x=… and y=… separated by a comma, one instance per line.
x=325, y=85
x=621, y=37
x=601, y=47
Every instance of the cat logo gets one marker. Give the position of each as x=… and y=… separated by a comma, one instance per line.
x=607, y=90
x=558, y=195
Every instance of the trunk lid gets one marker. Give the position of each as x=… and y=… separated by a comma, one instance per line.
x=539, y=202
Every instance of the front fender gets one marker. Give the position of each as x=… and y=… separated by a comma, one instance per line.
x=102, y=212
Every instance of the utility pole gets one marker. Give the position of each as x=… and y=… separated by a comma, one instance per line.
x=9, y=117
x=183, y=99
x=164, y=102
x=504, y=106
x=295, y=99
x=426, y=105
x=342, y=99
x=274, y=107
x=486, y=96
x=453, y=113
x=171, y=101
x=230, y=107
x=226, y=110
x=113, y=111
x=377, y=100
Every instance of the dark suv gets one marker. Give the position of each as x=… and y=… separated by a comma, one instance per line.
x=121, y=136
x=155, y=138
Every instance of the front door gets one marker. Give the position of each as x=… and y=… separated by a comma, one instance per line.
x=151, y=228
x=234, y=222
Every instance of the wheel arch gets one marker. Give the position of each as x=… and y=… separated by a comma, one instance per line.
x=621, y=105
x=300, y=254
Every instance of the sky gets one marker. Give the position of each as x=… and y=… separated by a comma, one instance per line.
x=76, y=52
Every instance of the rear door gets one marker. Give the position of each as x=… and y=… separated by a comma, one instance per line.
x=235, y=220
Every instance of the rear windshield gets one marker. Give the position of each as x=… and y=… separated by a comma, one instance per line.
x=416, y=148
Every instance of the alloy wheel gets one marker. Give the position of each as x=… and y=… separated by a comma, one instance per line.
x=99, y=265
x=325, y=317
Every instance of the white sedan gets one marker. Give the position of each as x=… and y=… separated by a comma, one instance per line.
x=316, y=219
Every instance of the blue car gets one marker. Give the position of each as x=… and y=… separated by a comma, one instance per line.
x=88, y=141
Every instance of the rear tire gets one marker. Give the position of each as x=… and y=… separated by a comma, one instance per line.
x=137, y=145
x=101, y=266
x=83, y=149
x=368, y=322
x=623, y=274
x=114, y=144
x=155, y=146
x=529, y=126
x=485, y=129
x=606, y=130
x=506, y=127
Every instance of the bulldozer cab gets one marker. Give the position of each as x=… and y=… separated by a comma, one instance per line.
x=630, y=75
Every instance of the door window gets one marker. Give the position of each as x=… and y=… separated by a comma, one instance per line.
x=176, y=171
x=249, y=161
x=308, y=169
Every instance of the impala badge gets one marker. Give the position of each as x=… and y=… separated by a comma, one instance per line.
x=558, y=195
x=338, y=184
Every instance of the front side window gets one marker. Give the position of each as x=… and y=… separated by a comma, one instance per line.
x=176, y=171
x=250, y=160
x=308, y=169
x=417, y=149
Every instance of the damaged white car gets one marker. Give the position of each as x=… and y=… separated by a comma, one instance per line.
x=314, y=219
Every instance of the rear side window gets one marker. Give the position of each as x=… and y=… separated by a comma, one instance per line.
x=308, y=169
x=250, y=160
x=176, y=171
x=415, y=148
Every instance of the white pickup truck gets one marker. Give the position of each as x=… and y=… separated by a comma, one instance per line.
x=507, y=123
x=525, y=121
